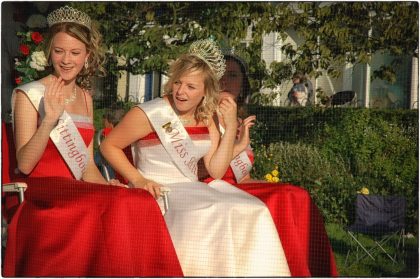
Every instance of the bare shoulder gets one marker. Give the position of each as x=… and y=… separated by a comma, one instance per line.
x=22, y=102
x=135, y=122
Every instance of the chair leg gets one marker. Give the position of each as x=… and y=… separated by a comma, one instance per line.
x=383, y=250
x=401, y=242
x=367, y=253
x=361, y=245
x=400, y=235
x=379, y=245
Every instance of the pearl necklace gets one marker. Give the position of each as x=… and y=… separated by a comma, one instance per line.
x=72, y=98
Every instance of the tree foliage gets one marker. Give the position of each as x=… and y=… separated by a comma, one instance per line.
x=148, y=35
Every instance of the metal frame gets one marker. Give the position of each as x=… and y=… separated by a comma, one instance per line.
x=378, y=245
x=103, y=167
x=16, y=187
x=13, y=187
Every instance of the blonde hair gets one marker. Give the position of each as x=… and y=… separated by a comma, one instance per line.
x=188, y=63
x=92, y=40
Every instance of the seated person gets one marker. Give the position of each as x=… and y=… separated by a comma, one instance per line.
x=72, y=223
x=216, y=231
x=297, y=218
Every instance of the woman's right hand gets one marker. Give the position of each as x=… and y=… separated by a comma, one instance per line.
x=54, y=100
x=149, y=185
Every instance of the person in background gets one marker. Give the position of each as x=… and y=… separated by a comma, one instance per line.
x=296, y=217
x=216, y=231
x=301, y=92
x=71, y=223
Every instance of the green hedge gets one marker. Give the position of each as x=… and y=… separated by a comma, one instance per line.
x=335, y=152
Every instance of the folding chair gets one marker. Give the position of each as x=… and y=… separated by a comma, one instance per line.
x=104, y=167
x=381, y=218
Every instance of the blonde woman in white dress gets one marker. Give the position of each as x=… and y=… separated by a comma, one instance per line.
x=216, y=231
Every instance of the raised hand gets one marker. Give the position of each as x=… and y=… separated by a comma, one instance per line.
x=244, y=138
x=228, y=112
x=54, y=100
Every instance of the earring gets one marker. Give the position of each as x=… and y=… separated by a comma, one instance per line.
x=204, y=101
x=86, y=64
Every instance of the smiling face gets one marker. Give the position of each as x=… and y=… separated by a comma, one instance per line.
x=232, y=80
x=188, y=91
x=68, y=56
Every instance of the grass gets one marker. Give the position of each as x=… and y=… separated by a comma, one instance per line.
x=407, y=266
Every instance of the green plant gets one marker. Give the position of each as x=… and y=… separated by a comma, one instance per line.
x=377, y=149
x=381, y=155
x=328, y=179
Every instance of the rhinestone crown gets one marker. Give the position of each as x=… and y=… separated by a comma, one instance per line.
x=209, y=52
x=68, y=14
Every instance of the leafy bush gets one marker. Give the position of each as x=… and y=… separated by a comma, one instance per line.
x=328, y=179
x=346, y=148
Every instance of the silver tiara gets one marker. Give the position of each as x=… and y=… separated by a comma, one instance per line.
x=209, y=52
x=68, y=14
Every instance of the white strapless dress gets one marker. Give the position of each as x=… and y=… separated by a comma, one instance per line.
x=217, y=229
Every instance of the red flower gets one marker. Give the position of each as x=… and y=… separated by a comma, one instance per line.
x=24, y=49
x=36, y=37
x=18, y=80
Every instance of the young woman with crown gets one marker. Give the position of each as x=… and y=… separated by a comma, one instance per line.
x=297, y=218
x=216, y=231
x=70, y=224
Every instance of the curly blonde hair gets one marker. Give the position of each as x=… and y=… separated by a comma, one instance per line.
x=92, y=40
x=189, y=63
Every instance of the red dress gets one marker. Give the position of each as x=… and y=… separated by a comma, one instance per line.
x=67, y=227
x=298, y=222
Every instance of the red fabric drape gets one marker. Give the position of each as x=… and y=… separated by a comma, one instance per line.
x=71, y=228
x=300, y=227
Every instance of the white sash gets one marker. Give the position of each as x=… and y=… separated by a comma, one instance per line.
x=241, y=164
x=65, y=135
x=173, y=136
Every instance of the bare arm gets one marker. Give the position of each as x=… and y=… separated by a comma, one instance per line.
x=30, y=139
x=133, y=126
x=218, y=158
